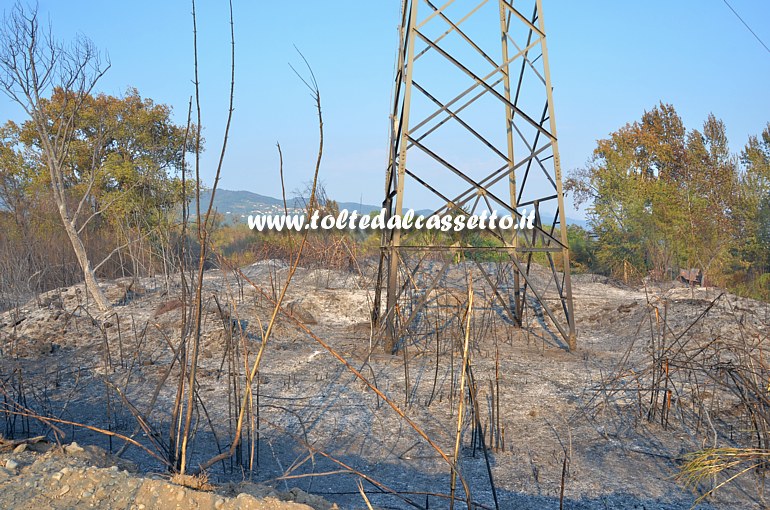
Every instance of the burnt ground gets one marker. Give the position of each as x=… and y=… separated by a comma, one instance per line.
x=322, y=430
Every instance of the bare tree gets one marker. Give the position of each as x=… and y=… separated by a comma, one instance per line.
x=32, y=65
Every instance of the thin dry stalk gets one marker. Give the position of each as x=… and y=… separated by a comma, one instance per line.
x=363, y=495
x=203, y=226
x=460, y=410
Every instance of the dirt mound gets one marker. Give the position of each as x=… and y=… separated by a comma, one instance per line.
x=40, y=475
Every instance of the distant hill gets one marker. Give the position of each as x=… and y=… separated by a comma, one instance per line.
x=237, y=203
x=235, y=206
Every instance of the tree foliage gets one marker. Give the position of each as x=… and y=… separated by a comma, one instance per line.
x=661, y=197
x=125, y=157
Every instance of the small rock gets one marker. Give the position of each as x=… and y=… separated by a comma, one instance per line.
x=11, y=464
x=73, y=448
x=300, y=313
x=64, y=490
x=20, y=448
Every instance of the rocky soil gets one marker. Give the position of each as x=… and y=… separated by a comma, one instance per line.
x=37, y=475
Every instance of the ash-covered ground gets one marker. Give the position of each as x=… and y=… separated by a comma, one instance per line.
x=574, y=428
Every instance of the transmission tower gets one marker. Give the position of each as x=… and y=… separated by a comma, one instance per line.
x=473, y=130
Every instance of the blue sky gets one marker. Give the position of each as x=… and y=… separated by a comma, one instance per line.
x=609, y=62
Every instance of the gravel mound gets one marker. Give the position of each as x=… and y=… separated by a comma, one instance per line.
x=39, y=475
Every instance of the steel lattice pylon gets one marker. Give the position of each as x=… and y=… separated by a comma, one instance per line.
x=473, y=128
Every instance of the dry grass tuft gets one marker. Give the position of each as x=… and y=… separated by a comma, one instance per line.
x=711, y=462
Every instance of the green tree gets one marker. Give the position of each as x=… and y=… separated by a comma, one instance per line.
x=707, y=198
x=104, y=159
x=32, y=63
x=753, y=213
x=123, y=160
x=660, y=197
x=582, y=248
x=628, y=187
x=15, y=174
